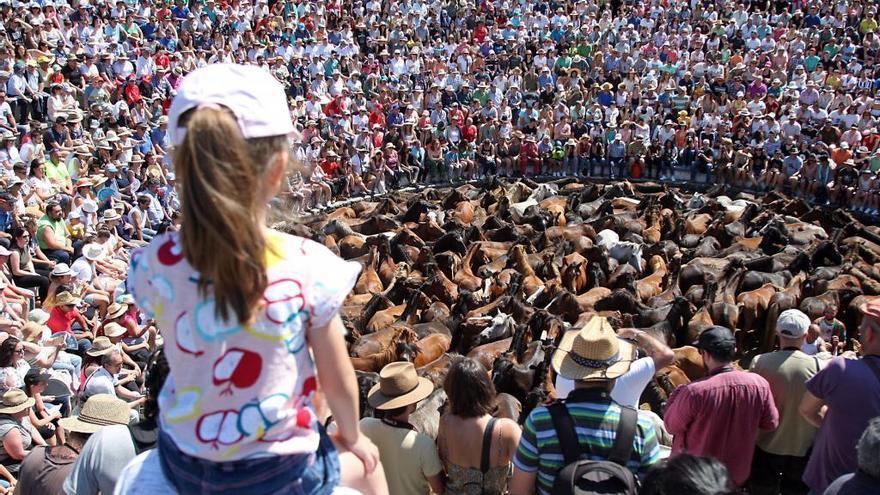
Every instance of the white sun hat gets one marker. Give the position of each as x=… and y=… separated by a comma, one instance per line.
x=255, y=98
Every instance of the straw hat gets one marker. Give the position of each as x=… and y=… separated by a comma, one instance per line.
x=101, y=346
x=116, y=310
x=14, y=401
x=113, y=330
x=593, y=353
x=154, y=170
x=66, y=298
x=32, y=331
x=98, y=411
x=398, y=386
x=110, y=215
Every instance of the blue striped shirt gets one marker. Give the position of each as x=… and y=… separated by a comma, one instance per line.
x=595, y=417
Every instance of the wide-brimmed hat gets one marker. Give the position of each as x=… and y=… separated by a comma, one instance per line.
x=32, y=331
x=398, y=386
x=92, y=251
x=99, y=410
x=593, y=353
x=101, y=346
x=116, y=310
x=38, y=316
x=65, y=298
x=113, y=330
x=61, y=270
x=14, y=401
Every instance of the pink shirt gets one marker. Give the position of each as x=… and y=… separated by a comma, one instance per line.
x=720, y=417
x=236, y=391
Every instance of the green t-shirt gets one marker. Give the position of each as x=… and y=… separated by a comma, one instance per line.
x=59, y=231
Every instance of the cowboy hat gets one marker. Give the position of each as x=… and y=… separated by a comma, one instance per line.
x=398, y=386
x=116, y=310
x=14, y=401
x=101, y=346
x=593, y=353
x=65, y=298
x=61, y=270
x=113, y=330
x=98, y=411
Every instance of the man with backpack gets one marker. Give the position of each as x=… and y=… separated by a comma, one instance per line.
x=587, y=442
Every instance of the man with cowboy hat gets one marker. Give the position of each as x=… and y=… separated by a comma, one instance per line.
x=720, y=415
x=409, y=458
x=45, y=468
x=594, y=357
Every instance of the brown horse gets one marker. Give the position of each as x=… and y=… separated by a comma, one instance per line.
x=396, y=350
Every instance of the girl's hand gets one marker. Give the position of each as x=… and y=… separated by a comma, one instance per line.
x=364, y=449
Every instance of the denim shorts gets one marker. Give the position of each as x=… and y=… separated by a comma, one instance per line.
x=305, y=474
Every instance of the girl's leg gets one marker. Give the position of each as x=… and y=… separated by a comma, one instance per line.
x=352, y=474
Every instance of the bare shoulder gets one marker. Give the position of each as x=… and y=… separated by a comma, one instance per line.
x=510, y=429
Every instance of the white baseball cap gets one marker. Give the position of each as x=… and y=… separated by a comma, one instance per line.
x=255, y=98
x=792, y=323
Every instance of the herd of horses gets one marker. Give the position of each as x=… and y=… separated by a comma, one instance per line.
x=498, y=271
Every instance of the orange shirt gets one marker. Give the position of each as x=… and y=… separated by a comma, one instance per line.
x=840, y=155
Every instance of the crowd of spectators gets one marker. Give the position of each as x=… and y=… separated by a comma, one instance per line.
x=758, y=95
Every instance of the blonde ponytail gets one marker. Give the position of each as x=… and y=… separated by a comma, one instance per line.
x=222, y=202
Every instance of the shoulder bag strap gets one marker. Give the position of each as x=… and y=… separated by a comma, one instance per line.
x=564, y=426
x=818, y=366
x=487, y=446
x=872, y=365
x=623, y=439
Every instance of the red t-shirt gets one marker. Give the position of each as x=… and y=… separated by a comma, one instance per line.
x=329, y=167
x=469, y=133
x=60, y=320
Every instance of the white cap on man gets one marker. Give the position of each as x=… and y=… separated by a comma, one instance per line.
x=792, y=323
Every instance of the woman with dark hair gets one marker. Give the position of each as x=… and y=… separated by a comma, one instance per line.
x=44, y=415
x=13, y=367
x=21, y=264
x=476, y=448
x=689, y=474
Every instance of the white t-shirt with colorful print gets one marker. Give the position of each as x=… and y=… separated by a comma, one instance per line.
x=237, y=392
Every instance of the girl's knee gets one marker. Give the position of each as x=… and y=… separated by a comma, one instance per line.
x=353, y=475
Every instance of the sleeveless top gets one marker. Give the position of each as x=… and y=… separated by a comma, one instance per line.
x=473, y=481
x=7, y=424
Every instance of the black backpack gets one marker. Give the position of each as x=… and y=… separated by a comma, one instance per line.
x=582, y=476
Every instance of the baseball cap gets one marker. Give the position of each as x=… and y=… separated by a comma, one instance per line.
x=255, y=98
x=792, y=323
x=716, y=338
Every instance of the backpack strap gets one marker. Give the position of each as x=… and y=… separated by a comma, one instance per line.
x=487, y=446
x=564, y=426
x=623, y=438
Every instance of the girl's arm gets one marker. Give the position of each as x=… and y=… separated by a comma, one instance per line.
x=334, y=366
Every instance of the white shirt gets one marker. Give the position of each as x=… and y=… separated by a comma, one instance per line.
x=100, y=382
x=627, y=388
x=82, y=269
